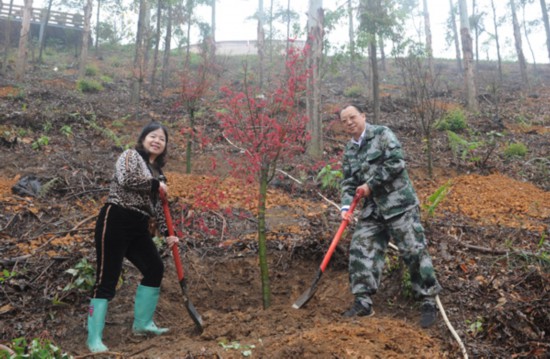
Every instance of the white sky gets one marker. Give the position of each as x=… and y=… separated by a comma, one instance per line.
x=232, y=24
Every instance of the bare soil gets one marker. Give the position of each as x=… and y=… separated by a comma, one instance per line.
x=488, y=237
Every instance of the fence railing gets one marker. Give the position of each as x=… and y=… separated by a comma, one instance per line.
x=58, y=18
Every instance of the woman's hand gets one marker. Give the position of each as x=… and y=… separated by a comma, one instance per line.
x=163, y=188
x=171, y=241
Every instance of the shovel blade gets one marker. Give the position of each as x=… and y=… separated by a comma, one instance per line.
x=308, y=294
x=195, y=316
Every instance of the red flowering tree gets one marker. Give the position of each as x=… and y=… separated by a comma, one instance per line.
x=270, y=128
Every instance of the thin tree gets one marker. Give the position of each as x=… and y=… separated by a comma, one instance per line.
x=260, y=42
x=428, y=32
x=167, y=45
x=351, y=40
x=24, y=40
x=420, y=86
x=497, y=41
x=157, y=44
x=97, y=28
x=452, y=19
x=518, y=45
x=213, y=31
x=7, y=38
x=43, y=27
x=526, y=29
x=471, y=92
x=544, y=11
x=86, y=30
x=315, y=56
x=139, y=55
x=369, y=16
x=269, y=127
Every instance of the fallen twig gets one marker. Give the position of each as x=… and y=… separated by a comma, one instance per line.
x=444, y=315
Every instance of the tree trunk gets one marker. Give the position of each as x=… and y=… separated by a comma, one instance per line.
x=525, y=30
x=7, y=38
x=287, y=29
x=43, y=26
x=546, y=24
x=262, y=242
x=315, y=56
x=167, y=46
x=271, y=33
x=24, y=40
x=476, y=32
x=495, y=23
x=428, y=31
x=455, y=37
x=369, y=14
x=157, y=45
x=85, y=36
x=471, y=96
x=351, y=35
x=213, y=34
x=97, y=29
x=139, y=57
x=517, y=42
x=260, y=43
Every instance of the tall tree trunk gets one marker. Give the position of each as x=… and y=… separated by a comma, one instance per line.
x=525, y=30
x=190, y=5
x=97, y=28
x=471, y=92
x=517, y=42
x=139, y=57
x=260, y=43
x=351, y=35
x=43, y=26
x=7, y=39
x=262, y=241
x=546, y=24
x=495, y=23
x=455, y=36
x=476, y=32
x=271, y=33
x=287, y=29
x=157, y=45
x=213, y=34
x=428, y=31
x=382, y=53
x=369, y=14
x=85, y=36
x=167, y=46
x=24, y=40
x=315, y=20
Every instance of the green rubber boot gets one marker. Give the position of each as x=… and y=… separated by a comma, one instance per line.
x=96, y=322
x=145, y=305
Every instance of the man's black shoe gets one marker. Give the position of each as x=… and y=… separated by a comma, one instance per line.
x=358, y=310
x=428, y=314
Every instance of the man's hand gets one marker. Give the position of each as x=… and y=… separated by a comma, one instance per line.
x=171, y=241
x=365, y=189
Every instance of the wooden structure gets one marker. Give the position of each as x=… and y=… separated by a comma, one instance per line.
x=63, y=26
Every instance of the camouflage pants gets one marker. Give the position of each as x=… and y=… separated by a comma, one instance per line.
x=367, y=253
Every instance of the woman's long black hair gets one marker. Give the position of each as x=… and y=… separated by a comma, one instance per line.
x=160, y=161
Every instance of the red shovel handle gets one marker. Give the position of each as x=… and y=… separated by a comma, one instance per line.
x=175, y=251
x=343, y=225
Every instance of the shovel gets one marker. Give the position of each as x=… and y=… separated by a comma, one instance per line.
x=308, y=294
x=176, y=254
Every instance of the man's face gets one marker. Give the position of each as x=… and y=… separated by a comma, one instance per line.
x=354, y=121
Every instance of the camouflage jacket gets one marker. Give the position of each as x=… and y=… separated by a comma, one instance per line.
x=377, y=161
x=135, y=188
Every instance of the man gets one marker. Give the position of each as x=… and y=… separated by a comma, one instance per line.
x=373, y=161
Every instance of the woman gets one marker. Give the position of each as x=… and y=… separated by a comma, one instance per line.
x=122, y=231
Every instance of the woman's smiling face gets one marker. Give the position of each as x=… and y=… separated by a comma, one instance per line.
x=155, y=143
